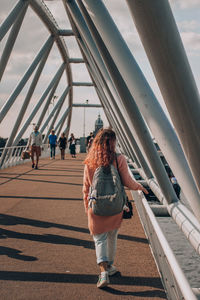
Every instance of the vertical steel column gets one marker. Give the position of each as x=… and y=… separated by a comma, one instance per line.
x=148, y=104
x=38, y=105
x=11, y=18
x=134, y=114
x=11, y=39
x=24, y=79
x=161, y=39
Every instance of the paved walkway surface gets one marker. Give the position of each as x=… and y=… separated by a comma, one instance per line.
x=46, y=251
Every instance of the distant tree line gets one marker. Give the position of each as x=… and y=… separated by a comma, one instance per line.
x=3, y=141
x=22, y=142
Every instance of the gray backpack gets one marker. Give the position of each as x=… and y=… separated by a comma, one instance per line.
x=107, y=195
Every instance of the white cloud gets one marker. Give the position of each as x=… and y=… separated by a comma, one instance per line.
x=123, y=19
x=58, y=11
x=189, y=25
x=191, y=40
x=186, y=4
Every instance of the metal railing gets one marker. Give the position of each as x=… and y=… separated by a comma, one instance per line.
x=182, y=216
x=14, y=155
x=174, y=280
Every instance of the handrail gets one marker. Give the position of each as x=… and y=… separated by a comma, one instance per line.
x=13, y=156
x=173, y=277
x=182, y=216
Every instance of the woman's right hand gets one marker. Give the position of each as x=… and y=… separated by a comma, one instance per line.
x=142, y=188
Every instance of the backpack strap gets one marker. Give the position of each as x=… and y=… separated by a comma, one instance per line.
x=117, y=154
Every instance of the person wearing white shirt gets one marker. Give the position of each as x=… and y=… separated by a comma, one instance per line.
x=35, y=143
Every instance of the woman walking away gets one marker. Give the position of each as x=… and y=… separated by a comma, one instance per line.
x=72, y=145
x=104, y=229
x=62, y=145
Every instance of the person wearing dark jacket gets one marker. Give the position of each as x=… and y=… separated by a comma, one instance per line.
x=62, y=145
x=72, y=145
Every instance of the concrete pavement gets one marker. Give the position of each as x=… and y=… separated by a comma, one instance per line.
x=46, y=251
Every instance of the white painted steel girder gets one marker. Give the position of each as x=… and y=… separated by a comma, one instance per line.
x=162, y=42
x=145, y=99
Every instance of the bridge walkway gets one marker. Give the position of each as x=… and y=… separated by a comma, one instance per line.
x=45, y=246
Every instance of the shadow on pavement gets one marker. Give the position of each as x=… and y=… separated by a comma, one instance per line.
x=13, y=220
x=46, y=238
x=17, y=254
x=80, y=278
x=92, y=279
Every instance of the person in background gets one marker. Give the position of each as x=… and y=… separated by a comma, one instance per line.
x=90, y=142
x=88, y=139
x=35, y=143
x=52, y=143
x=104, y=229
x=72, y=145
x=62, y=145
x=173, y=180
x=176, y=186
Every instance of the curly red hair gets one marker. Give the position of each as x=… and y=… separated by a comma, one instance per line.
x=102, y=151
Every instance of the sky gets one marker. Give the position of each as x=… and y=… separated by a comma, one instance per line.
x=33, y=34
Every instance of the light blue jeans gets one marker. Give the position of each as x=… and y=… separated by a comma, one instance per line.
x=105, y=246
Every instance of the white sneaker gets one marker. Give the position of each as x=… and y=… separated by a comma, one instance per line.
x=103, y=280
x=112, y=270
